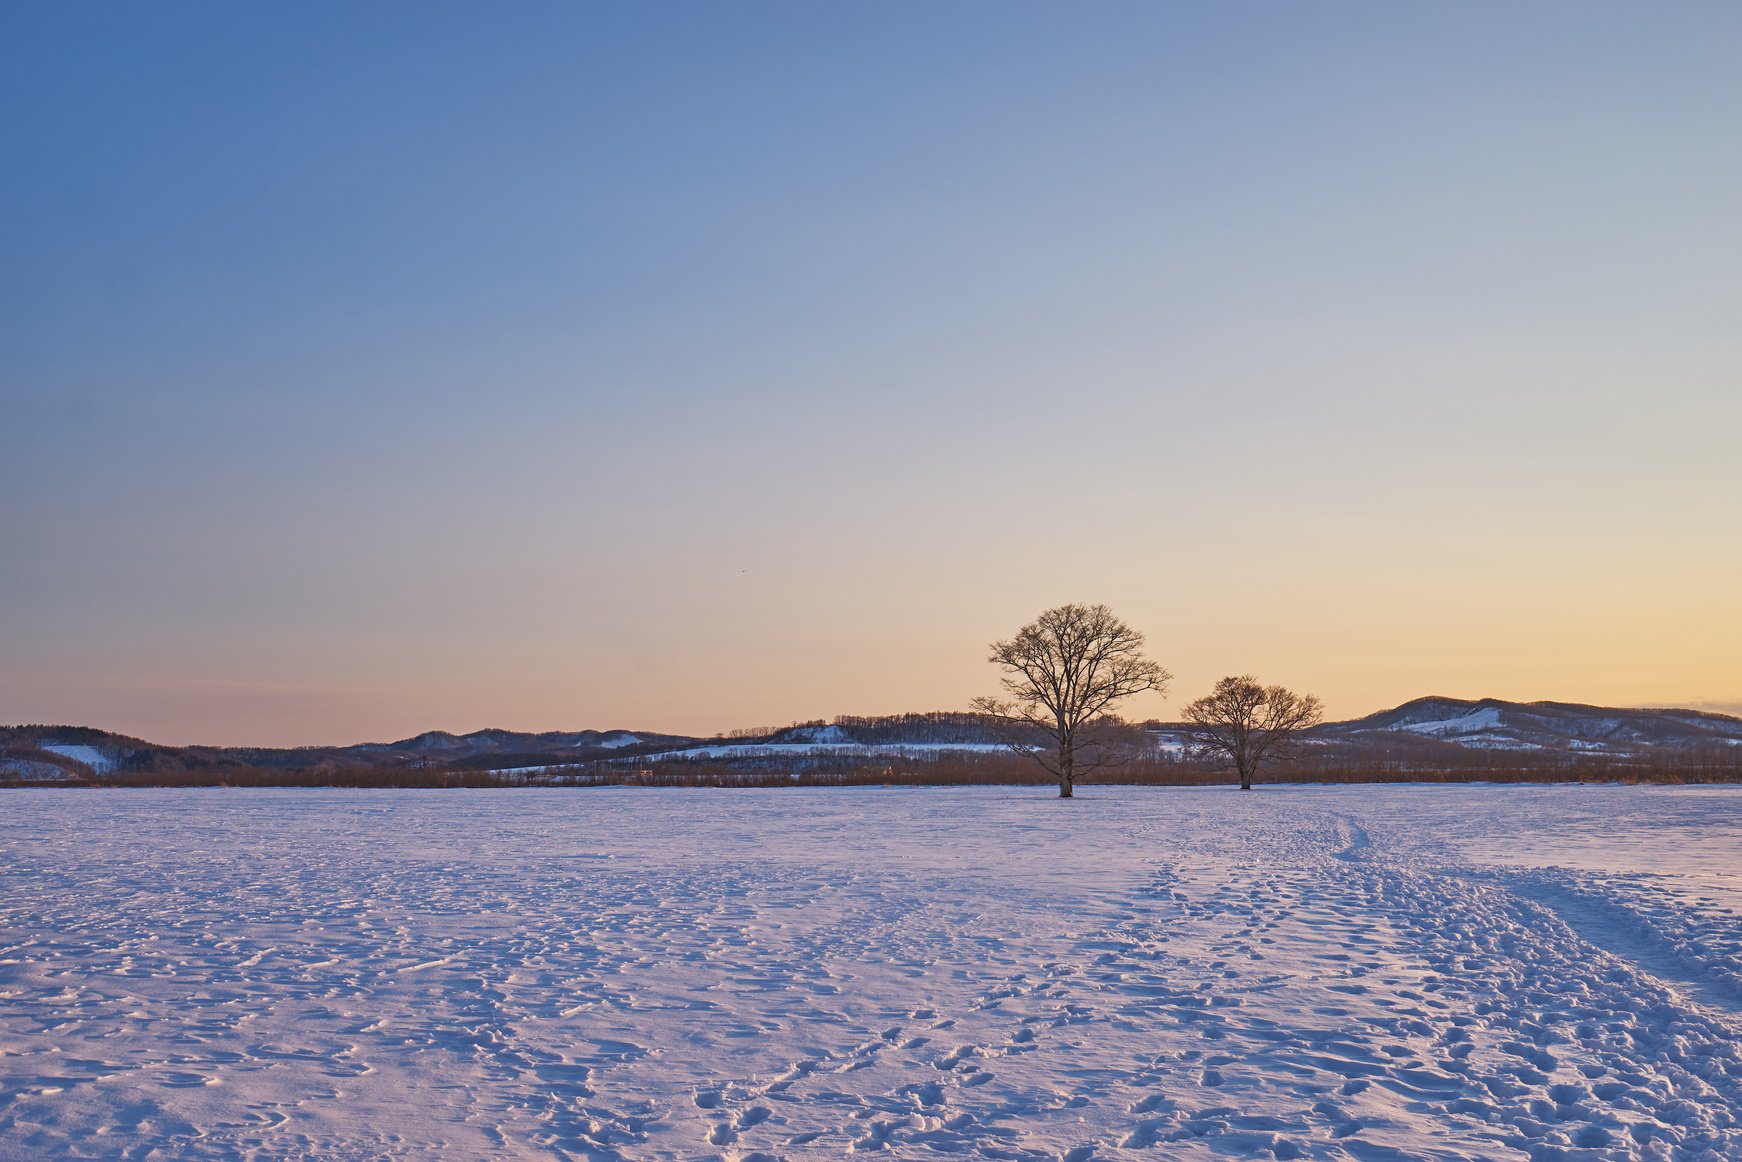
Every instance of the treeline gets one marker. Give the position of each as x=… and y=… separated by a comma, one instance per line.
x=25, y=764
x=946, y=771
x=323, y=775
x=31, y=733
x=920, y=728
x=936, y=726
x=995, y=768
x=1010, y=770
x=1424, y=760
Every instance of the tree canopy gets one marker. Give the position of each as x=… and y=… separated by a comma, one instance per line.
x=1063, y=674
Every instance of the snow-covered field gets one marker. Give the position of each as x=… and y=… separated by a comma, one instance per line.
x=1358, y=972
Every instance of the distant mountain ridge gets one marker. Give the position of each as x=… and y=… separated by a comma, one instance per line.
x=492, y=740
x=44, y=754
x=1432, y=728
x=1494, y=724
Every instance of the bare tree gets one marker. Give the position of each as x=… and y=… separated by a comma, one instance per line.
x=1247, y=724
x=1063, y=673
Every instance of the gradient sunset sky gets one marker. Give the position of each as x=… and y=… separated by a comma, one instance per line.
x=372, y=368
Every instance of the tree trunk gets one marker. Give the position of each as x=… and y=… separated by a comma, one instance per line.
x=1245, y=776
x=1067, y=770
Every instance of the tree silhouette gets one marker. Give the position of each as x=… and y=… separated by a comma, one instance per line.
x=1063, y=674
x=1248, y=724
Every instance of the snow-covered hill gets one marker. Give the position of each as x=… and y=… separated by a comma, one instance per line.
x=1492, y=724
x=493, y=741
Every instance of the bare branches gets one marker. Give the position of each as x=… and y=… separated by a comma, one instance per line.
x=1248, y=724
x=1018, y=730
x=1064, y=673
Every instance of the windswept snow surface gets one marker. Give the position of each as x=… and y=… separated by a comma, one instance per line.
x=1331, y=973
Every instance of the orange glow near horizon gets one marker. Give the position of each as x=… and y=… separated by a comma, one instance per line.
x=755, y=366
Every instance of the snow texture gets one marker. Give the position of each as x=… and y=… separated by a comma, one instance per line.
x=1328, y=973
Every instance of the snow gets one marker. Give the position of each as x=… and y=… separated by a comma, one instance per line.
x=1177, y=744
x=30, y=770
x=784, y=749
x=1473, y=723
x=1360, y=972
x=778, y=750
x=88, y=755
x=618, y=738
x=831, y=735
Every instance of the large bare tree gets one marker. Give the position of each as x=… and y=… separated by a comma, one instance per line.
x=1247, y=724
x=1063, y=674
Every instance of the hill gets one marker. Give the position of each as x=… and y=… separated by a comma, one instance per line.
x=1492, y=724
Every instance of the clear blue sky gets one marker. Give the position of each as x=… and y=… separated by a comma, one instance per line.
x=368, y=368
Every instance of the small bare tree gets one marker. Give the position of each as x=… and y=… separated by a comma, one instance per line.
x=1064, y=672
x=1247, y=724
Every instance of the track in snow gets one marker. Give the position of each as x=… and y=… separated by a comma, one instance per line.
x=1354, y=973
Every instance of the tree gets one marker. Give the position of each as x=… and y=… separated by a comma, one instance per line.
x=1064, y=672
x=1248, y=724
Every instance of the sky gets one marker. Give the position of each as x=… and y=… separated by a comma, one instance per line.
x=368, y=369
